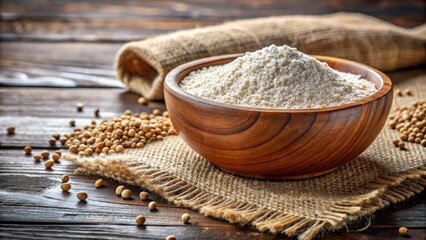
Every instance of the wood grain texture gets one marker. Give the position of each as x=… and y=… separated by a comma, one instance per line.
x=77, y=40
x=277, y=144
x=119, y=21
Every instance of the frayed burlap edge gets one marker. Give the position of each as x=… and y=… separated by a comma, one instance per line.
x=383, y=191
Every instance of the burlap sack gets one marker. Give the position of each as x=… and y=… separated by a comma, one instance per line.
x=380, y=176
x=142, y=65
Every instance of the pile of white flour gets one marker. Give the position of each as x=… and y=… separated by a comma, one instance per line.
x=277, y=78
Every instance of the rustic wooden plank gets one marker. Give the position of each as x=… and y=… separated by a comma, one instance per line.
x=27, y=184
x=105, y=231
x=58, y=103
x=58, y=64
x=119, y=21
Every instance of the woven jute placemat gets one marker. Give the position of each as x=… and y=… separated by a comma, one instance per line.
x=380, y=176
x=143, y=65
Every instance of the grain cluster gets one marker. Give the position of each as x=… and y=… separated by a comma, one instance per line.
x=410, y=122
x=113, y=136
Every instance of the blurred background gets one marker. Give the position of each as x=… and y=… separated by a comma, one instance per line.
x=73, y=43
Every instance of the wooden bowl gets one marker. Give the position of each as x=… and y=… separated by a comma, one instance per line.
x=276, y=143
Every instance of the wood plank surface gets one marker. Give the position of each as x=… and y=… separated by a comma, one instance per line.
x=54, y=54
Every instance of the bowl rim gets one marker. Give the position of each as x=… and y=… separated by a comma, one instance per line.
x=173, y=87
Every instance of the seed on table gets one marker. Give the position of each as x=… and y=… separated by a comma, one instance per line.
x=10, y=130
x=423, y=142
x=99, y=183
x=401, y=145
x=88, y=152
x=171, y=237
x=144, y=195
x=408, y=91
x=28, y=150
x=63, y=140
x=73, y=149
x=403, y=231
x=126, y=193
x=186, y=217
x=119, y=148
x=55, y=157
x=79, y=107
x=97, y=110
x=156, y=112
x=72, y=123
x=37, y=157
x=45, y=154
x=65, y=178
x=56, y=136
x=128, y=112
x=119, y=189
x=52, y=142
x=58, y=152
x=152, y=206
x=140, y=220
x=142, y=101
x=48, y=164
x=65, y=187
x=82, y=196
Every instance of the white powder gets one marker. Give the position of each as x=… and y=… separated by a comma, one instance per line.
x=277, y=78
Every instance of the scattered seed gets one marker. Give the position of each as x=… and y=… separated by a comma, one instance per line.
x=140, y=220
x=82, y=196
x=142, y=101
x=28, y=150
x=56, y=136
x=52, y=142
x=55, y=157
x=119, y=190
x=48, y=164
x=37, y=157
x=152, y=206
x=171, y=237
x=156, y=112
x=58, y=152
x=65, y=186
x=79, y=107
x=126, y=193
x=72, y=123
x=97, y=110
x=410, y=122
x=185, y=218
x=114, y=136
x=99, y=183
x=88, y=152
x=45, y=154
x=65, y=178
x=144, y=195
x=10, y=130
x=401, y=145
x=423, y=142
x=403, y=231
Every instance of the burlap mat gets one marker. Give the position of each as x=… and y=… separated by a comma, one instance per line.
x=380, y=176
x=142, y=65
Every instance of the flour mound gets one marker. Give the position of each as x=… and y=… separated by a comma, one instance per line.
x=277, y=78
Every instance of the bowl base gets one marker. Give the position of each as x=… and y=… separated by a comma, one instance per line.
x=264, y=177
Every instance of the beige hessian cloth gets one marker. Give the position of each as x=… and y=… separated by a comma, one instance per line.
x=143, y=65
x=380, y=176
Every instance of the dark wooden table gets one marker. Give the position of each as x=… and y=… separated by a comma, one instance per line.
x=54, y=54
